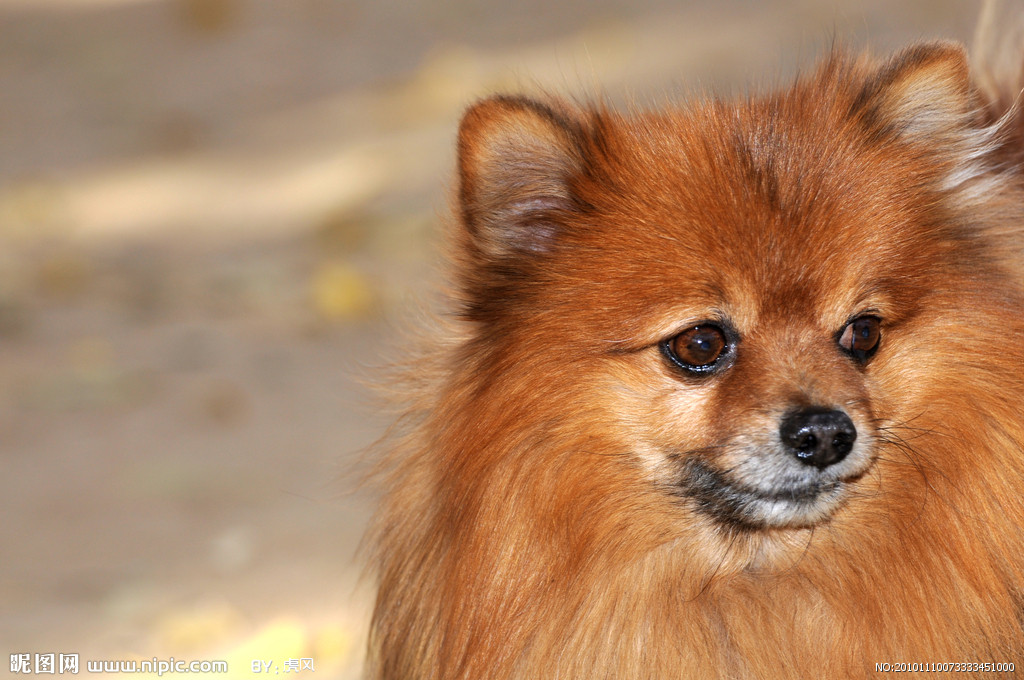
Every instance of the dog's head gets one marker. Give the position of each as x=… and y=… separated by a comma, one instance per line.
x=743, y=300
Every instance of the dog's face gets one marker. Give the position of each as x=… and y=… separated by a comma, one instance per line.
x=756, y=398
x=743, y=323
x=747, y=293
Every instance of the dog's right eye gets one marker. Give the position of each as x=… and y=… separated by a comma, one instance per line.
x=699, y=349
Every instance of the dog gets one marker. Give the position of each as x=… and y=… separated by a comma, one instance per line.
x=726, y=390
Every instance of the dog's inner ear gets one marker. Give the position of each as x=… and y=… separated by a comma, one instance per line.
x=516, y=160
x=923, y=95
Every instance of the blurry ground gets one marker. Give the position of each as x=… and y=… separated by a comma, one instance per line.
x=210, y=213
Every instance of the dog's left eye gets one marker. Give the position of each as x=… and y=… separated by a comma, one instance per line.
x=861, y=337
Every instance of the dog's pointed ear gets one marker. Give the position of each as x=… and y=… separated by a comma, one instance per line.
x=923, y=94
x=516, y=157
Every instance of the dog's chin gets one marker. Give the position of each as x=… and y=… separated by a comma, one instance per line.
x=793, y=505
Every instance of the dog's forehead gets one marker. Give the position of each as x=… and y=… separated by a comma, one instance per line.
x=756, y=201
x=720, y=174
x=706, y=240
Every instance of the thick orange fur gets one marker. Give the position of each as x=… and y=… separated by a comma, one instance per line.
x=535, y=523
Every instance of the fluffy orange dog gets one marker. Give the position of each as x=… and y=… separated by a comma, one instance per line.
x=733, y=390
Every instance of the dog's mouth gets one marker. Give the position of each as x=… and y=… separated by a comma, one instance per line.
x=796, y=503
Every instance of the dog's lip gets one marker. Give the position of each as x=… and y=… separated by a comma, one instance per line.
x=797, y=494
x=705, y=475
x=745, y=506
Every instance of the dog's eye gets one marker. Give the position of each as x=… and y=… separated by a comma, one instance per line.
x=698, y=349
x=860, y=337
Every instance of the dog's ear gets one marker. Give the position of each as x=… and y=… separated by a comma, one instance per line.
x=923, y=94
x=516, y=158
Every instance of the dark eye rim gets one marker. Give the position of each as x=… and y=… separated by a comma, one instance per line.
x=859, y=355
x=724, y=359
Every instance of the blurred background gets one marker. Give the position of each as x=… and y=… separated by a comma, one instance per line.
x=213, y=215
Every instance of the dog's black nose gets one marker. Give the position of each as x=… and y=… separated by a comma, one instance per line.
x=818, y=436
